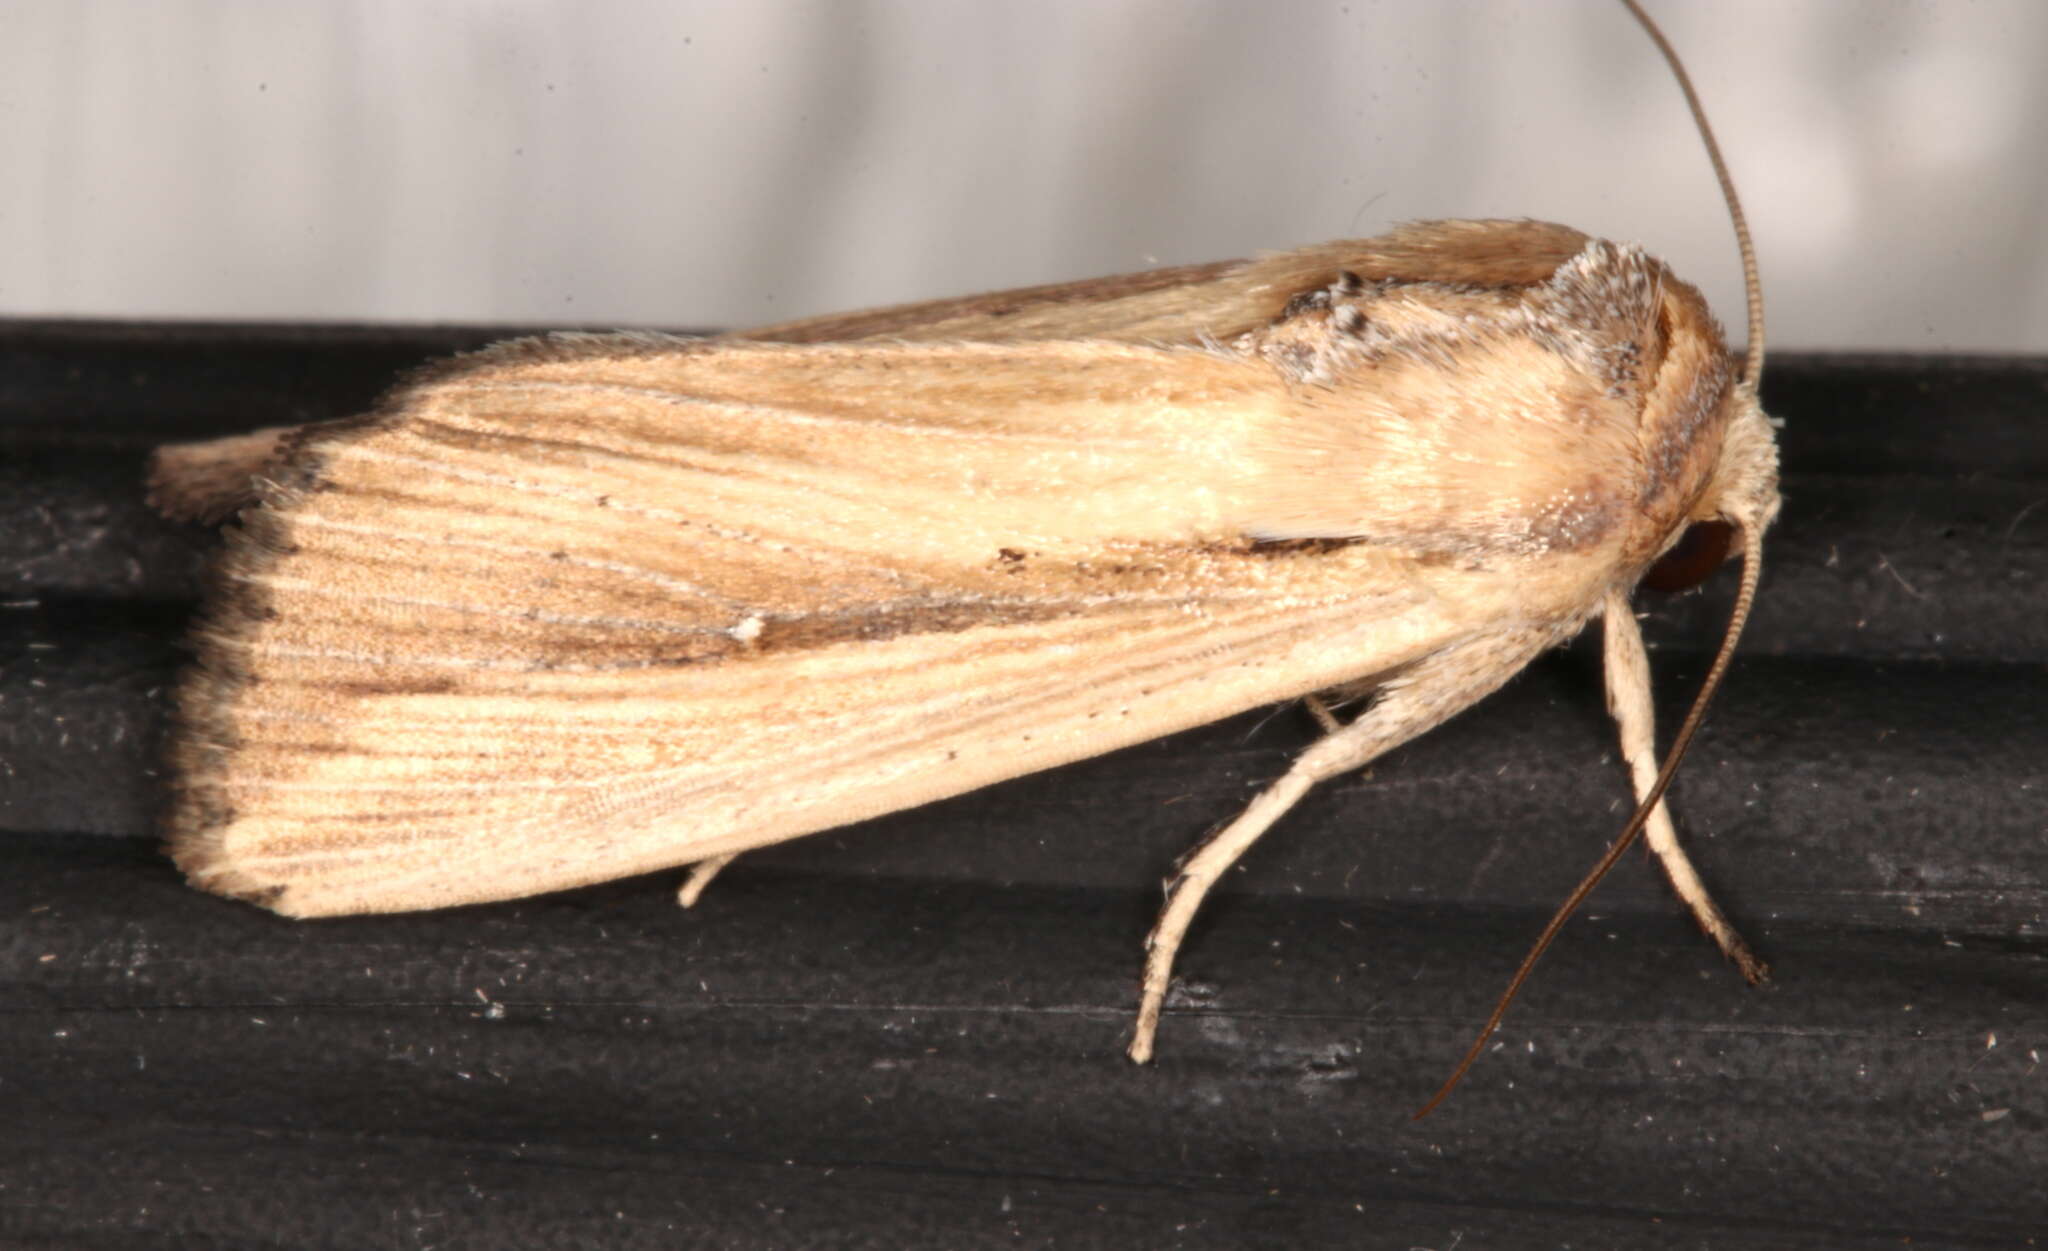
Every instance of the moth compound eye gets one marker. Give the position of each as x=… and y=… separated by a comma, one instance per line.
x=1699, y=551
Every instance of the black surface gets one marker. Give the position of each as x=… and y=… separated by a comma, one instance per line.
x=909, y=1033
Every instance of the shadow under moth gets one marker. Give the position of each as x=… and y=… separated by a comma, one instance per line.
x=579, y=607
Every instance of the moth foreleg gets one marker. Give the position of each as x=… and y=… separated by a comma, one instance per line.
x=1628, y=700
x=700, y=877
x=1408, y=705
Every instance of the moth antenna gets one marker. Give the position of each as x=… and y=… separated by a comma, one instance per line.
x=1752, y=569
x=1753, y=359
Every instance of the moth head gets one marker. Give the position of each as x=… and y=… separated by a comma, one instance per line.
x=1741, y=499
x=1744, y=490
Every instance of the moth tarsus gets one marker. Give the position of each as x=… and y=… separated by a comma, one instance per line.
x=700, y=876
x=575, y=608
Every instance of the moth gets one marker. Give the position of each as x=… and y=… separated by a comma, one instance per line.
x=580, y=607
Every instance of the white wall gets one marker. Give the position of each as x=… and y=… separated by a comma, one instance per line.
x=634, y=162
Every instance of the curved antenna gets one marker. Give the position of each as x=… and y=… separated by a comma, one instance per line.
x=1752, y=569
x=1753, y=362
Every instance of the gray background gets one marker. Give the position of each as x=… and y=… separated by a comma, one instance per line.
x=627, y=162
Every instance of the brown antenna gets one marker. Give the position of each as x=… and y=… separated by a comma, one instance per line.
x=1752, y=567
x=1753, y=362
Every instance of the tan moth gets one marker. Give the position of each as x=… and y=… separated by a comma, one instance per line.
x=575, y=608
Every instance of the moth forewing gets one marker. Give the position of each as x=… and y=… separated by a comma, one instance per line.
x=1186, y=305
x=446, y=669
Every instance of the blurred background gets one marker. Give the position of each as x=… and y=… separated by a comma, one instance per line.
x=660, y=163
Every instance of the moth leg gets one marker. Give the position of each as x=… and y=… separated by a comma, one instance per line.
x=214, y=478
x=1628, y=700
x=700, y=877
x=1323, y=705
x=1413, y=703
